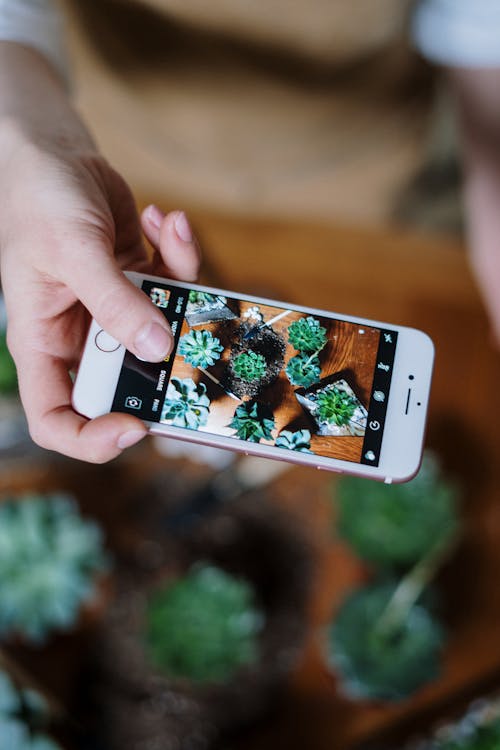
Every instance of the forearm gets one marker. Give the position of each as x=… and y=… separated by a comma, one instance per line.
x=34, y=101
x=478, y=103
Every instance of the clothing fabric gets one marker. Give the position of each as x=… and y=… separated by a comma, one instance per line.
x=38, y=24
x=451, y=32
x=458, y=33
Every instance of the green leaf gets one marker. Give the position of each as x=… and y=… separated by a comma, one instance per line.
x=335, y=405
x=204, y=627
x=380, y=663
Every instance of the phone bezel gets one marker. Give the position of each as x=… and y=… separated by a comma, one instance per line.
x=404, y=428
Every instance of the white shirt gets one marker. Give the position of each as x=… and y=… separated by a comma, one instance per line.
x=451, y=32
x=38, y=24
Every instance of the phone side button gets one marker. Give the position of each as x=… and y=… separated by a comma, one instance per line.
x=323, y=468
x=105, y=342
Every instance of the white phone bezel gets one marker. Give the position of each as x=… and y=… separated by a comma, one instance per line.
x=405, y=419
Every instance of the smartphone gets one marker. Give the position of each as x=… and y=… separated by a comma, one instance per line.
x=270, y=379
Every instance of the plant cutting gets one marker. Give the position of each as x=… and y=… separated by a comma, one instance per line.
x=203, y=627
x=397, y=525
x=200, y=348
x=384, y=657
x=50, y=560
x=307, y=335
x=294, y=441
x=304, y=369
x=253, y=421
x=186, y=404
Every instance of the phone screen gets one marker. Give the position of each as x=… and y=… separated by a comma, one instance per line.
x=264, y=374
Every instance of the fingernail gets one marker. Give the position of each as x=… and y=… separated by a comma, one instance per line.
x=153, y=342
x=182, y=227
x=130, y=438
x=155, y=216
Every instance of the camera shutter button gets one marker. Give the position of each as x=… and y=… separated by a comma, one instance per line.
x=105, y=342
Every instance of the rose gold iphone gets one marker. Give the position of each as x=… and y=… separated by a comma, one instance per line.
x=270, y=379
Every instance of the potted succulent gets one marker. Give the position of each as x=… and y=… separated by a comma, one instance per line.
x=333, y=407
x=201, y=641
x=51, y=561
x=255, y=361
x=385, y=642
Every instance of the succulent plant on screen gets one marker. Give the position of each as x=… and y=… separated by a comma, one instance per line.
x=294, y=441
x=249, y=366
x=50, y=558
x=199, y=348
x=8, y=376
x=186, y=404
x=307, y=335
x=201, y=298
x=204, y=627
x=383, y=659
x=304, y=370
x=397, y=525
x=253, y=422
x=335, y=406
x=22, y=714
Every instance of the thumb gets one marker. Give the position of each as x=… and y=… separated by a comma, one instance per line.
x=121, y=308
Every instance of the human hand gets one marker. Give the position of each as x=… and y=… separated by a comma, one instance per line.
x=68, y=226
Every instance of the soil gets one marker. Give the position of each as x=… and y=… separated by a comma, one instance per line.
x=265, y=341
x=138, y=707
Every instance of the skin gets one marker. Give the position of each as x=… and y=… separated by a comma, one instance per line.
x=68, y=226
x=477, y=94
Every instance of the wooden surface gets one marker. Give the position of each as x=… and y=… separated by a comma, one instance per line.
x=410, y=280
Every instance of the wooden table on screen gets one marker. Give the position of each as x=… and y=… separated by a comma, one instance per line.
x=411, y=280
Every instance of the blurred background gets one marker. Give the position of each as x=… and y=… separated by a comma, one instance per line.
x=189, y=599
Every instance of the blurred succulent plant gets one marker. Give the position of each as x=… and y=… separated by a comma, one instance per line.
x=186, y=404
x=253, y=422
x=380, y=657
x=199, y=348
x=335, y=406
x=479, y=737
x=22, y=714
x=249, y=366
x=398, y=524
x=304, y=370
x=307, y=335
x=8, y=375
x=204, y=627
x=294, y=441
x=49, y=559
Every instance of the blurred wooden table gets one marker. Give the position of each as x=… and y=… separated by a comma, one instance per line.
x=413, y=280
